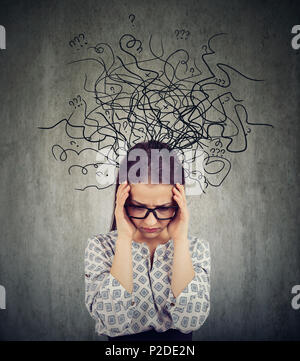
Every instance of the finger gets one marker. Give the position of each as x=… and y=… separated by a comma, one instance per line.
x=182, y=211
x=120, y=209
x=122, y=185
x=179, y=193
x=122, y=188
x=179, y=200
x=121, y=200
x=123, y=196
x=181, y=190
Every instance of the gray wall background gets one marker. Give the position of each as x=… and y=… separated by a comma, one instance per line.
x=251, y=221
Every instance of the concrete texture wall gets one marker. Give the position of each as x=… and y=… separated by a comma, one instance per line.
x=251, y=220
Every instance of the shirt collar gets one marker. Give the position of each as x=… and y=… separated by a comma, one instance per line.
x=160, y=249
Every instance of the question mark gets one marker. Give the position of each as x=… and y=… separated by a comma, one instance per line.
x=72, y=141
x=71, y=103
x=187, y=34
x=177, y=33
x=76, y=38
x=112, y=89
x=79, y=100
x=83, y=36
x=218, y=143
x=131, y=18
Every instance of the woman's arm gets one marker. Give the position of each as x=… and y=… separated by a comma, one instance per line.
x=182, y=269
x=121, y=267
x=106, y=299
x=190, y=307
x=122, y=263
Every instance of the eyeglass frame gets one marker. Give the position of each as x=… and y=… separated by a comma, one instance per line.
x=150, y=210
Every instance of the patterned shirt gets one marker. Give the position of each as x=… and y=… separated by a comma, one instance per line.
x=152, y=304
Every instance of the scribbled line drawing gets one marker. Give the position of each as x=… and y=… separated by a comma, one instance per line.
x=129, y=97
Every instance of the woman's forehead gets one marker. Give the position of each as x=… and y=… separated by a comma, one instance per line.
x=151, y=194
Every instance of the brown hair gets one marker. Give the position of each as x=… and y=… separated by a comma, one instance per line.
x=147, y=146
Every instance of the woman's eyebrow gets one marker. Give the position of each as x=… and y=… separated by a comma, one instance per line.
x=159, y=205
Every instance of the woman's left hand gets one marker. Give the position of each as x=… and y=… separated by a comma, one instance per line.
x=178, y=227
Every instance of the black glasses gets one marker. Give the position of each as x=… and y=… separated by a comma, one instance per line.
x=141, y=212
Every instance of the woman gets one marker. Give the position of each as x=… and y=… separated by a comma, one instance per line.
x=148, y=279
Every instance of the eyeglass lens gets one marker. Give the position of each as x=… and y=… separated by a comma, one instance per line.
x=162, y=212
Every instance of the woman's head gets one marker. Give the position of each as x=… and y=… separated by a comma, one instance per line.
x=151, y=169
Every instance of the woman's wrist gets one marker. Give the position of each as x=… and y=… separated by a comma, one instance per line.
x=180, y=240
x=124, y=239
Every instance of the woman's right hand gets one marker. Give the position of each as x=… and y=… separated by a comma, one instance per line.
x=126, y=229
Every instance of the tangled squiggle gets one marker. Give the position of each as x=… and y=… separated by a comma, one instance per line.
x=132, y=98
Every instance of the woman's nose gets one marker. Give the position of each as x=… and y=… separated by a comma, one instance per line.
x=150, y=220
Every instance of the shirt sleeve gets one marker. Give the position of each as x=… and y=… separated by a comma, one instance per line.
x=107, y=301
x=190, y=308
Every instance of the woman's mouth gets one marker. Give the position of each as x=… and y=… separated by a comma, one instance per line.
x=150, y=230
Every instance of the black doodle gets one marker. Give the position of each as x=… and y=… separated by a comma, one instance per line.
x=130, y=98
x=78, y=41
x=182, y=34
x=131, y=18
x=76, y=102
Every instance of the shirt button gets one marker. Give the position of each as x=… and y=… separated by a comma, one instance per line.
x=145, y=256
x=132, y=303
x=172, y=304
